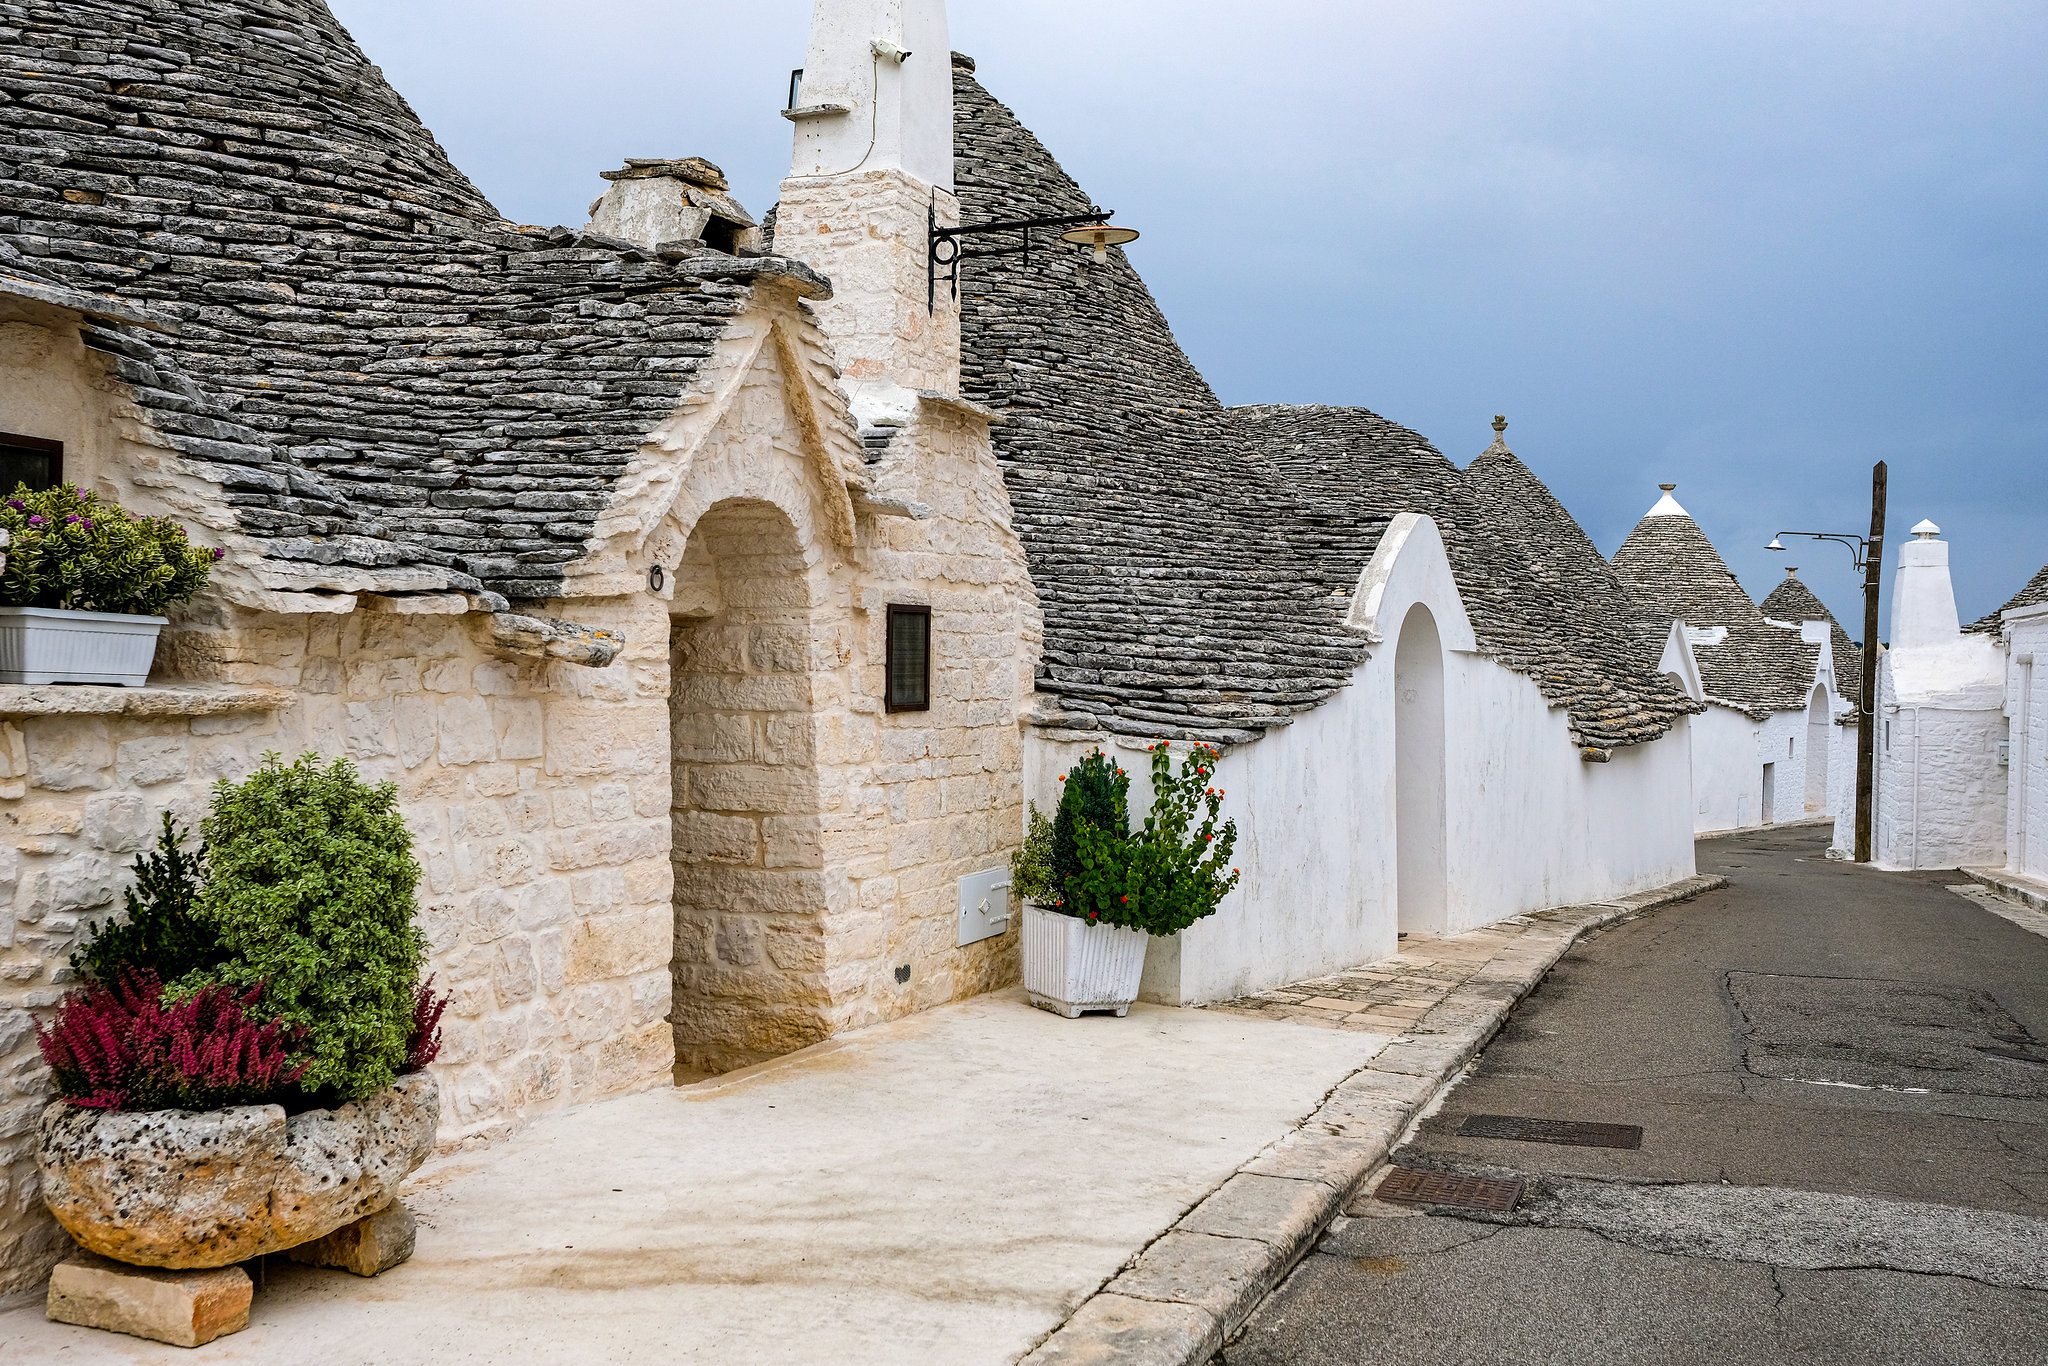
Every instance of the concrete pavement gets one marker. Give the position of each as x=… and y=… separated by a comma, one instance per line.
x=949, y=1188
x=1843, y=1090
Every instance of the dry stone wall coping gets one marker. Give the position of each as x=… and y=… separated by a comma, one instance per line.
x=156, y=700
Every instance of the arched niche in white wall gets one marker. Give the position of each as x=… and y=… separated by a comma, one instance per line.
x=1820, y=729
x=1419, y=806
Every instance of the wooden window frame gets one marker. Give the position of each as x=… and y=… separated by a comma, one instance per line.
x=39, y=445
x=889, y=657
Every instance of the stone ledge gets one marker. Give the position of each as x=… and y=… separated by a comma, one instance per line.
x=157, y=699
x=1199, y=1281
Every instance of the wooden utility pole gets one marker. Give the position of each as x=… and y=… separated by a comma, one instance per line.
x=1866, y=720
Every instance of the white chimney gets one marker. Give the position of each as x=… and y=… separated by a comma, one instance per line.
x=877, y=91
x=1923, y=598
x=873, y=164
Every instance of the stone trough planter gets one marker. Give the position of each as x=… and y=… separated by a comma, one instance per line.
x=187, y=1189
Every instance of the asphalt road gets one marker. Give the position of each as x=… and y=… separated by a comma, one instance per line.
x=1842, y=1081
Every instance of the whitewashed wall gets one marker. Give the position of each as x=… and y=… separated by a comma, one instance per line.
x=1940, y=789
x=2026, y=713
x=1530, y=824
x=1727, y=781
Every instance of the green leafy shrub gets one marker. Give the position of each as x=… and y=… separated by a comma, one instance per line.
x=72, y=550
x=162, y=933
x=1095, y=805
x=1031, y=866
x=310, y=879
x=1168, y=874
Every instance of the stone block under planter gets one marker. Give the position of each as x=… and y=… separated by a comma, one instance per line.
x=368, y=1247
x=185, y=1189
x=183, y=1308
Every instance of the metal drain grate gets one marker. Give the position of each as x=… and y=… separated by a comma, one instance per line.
x=1407, y=1186
x=1521, y=1129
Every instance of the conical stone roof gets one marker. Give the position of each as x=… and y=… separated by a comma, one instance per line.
x=1192, y=560
x=1673, y=573
x=1793, y=601
x=391, y=387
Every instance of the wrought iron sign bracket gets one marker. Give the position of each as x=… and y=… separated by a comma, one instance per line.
x=945, y=249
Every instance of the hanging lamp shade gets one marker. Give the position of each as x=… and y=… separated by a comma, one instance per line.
x=1101, y=236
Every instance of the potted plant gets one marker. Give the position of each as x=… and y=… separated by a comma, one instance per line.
x=241, y=1070
x=1095, y=889
x=85, y=585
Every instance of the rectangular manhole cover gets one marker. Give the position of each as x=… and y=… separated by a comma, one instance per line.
x=1521, y=1129
x=1408, y=1186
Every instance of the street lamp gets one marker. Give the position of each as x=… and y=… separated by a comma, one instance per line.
x=1867, y=553
x=944, y=252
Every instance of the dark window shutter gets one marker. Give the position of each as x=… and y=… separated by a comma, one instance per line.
x=29, y=460
x=910, y=659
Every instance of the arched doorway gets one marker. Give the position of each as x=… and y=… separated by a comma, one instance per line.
x=1421, y=852
x=749, y=966
x=1819, y=748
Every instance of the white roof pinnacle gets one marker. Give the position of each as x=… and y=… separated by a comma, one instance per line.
x=1667, y=506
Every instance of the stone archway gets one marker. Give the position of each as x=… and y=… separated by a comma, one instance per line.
x=1421, y=836
x=749, y=966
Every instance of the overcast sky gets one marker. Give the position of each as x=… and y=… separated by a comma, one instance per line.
x=1746, y=247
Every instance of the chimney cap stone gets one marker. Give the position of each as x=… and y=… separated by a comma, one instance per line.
x=1927, y=530
x=690, y=170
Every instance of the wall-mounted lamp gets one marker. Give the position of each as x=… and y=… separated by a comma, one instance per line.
x=1102, y=236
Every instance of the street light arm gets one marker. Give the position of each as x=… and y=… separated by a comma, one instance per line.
x=1858, y=546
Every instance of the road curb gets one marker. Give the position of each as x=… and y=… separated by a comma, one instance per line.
x=1182, y=1297
x=2026, y=891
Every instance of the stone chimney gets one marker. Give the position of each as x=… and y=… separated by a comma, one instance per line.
x=873, y=159
x=654, y=201
x=1923, y=598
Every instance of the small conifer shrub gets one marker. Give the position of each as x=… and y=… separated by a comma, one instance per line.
x=161, y=932
x=310, y=880
x=1095, y=800
x=73, y=550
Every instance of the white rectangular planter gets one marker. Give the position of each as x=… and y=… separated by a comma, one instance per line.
x=49, y=645
x=1071, y=966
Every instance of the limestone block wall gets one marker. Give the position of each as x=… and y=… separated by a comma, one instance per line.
x=537, y=793
x=868, y=231
x=820, y=839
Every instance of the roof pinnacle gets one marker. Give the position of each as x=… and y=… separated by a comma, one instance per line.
x=1500, y=425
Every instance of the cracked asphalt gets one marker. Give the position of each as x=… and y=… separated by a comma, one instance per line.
x=1842, y=1080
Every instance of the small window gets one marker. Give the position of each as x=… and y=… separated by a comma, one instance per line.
x=29, y=460
x=910, y=659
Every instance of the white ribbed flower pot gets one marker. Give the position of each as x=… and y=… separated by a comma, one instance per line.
x=1071, y=966
x=49, y=645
